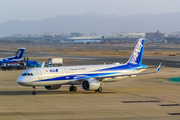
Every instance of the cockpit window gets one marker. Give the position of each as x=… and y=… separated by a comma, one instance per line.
x=24, y=74
x=27, y=74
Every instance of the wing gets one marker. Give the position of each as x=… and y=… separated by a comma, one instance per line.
x=126, y=74
x=97, y=77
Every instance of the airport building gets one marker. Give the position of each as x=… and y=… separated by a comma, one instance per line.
x=156, y=35
x=131, y=35
x=122, y=37
x=77, y=34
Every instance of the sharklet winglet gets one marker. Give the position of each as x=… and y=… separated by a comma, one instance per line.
x=159, y=67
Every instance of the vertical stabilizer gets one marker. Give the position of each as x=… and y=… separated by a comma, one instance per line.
x=102, y=38
x=19, y=54
x=136, y=57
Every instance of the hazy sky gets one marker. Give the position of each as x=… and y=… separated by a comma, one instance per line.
x=40, y=9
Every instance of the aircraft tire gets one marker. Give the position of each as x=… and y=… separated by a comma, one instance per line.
x=34, y=92
x=74, y=88
x=71, y=89
x=100, y=89
x=8, y=68
x=19, y=68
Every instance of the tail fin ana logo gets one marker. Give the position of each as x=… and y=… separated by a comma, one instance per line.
x=137, y=49
x=136, y=57
x=18, y=54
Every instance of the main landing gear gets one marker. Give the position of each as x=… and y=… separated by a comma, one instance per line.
x=99, y=89
x=73, y=88
x=34, y=92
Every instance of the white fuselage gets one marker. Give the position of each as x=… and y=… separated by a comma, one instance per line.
x=74, y=75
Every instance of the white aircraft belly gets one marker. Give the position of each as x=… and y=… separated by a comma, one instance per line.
x=44, y=83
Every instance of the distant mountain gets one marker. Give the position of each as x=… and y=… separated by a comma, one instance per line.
x=92, y=22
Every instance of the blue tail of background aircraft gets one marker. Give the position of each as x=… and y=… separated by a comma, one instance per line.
x=19, y=54
x=136, y=57
x=17, y=57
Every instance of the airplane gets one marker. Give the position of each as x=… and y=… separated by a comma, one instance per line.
x=88, y=76
x=88, y=41
x=17, y=57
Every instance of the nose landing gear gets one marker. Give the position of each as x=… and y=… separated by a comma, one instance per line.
x=34, y=92
x=73, y=88
x=99, y=89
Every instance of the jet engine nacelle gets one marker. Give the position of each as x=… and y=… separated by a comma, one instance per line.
x=90, y=84
x=52, y=87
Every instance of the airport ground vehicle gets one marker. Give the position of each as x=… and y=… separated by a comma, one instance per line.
x=32, y=63
x=52, y=62
x=13, y=65
x=89, y=77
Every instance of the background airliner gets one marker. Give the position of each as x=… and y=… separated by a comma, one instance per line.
x=88, y=41
x=17, y=57
x=89, y=76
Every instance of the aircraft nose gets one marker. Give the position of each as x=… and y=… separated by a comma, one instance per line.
x=21, y=80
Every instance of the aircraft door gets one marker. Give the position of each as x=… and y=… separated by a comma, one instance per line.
x=67, y=73
x=39, y=74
